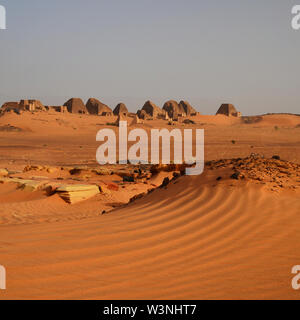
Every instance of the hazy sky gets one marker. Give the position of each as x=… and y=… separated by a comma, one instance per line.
x=207, y=52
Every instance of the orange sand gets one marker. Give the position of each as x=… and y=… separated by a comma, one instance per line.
x=198, y=238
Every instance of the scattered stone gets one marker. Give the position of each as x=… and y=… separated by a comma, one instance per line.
x=188, y=121
x=128, y=179
x=236, y=175
x=276, y=157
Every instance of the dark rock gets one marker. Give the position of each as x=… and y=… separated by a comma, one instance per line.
x=128, y=179
x=165, y=182
x=276, y=157
x=235, y=176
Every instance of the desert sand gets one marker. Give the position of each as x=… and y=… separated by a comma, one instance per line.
x=204, y=237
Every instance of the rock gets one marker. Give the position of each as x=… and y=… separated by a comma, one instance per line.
x=76, y=193
x=104, y=190
x=120, y=109
x=276, y=157
x=76, y=105
x=3, y=172
x=165, y=182
x=102, y=172
x=75, y=171
x=128, y=179
x=95, y=106
x=31, y=185
x=236, y=175
x=188, y=121
x=26, y=185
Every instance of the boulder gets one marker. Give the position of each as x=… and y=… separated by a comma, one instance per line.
x=120, y=109
x=25, y=185
x=76, y=105
x=76, y=193
x=95, y=106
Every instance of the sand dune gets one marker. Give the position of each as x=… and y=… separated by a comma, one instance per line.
x=196, y=239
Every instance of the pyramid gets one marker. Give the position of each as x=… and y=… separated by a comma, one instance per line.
x=76, y=105
x=174, y=109
x=95, y=106
x=152, y=109
x=188, y=109
x=120, y=109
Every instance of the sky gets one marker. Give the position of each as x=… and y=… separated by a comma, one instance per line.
x=207, y=52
